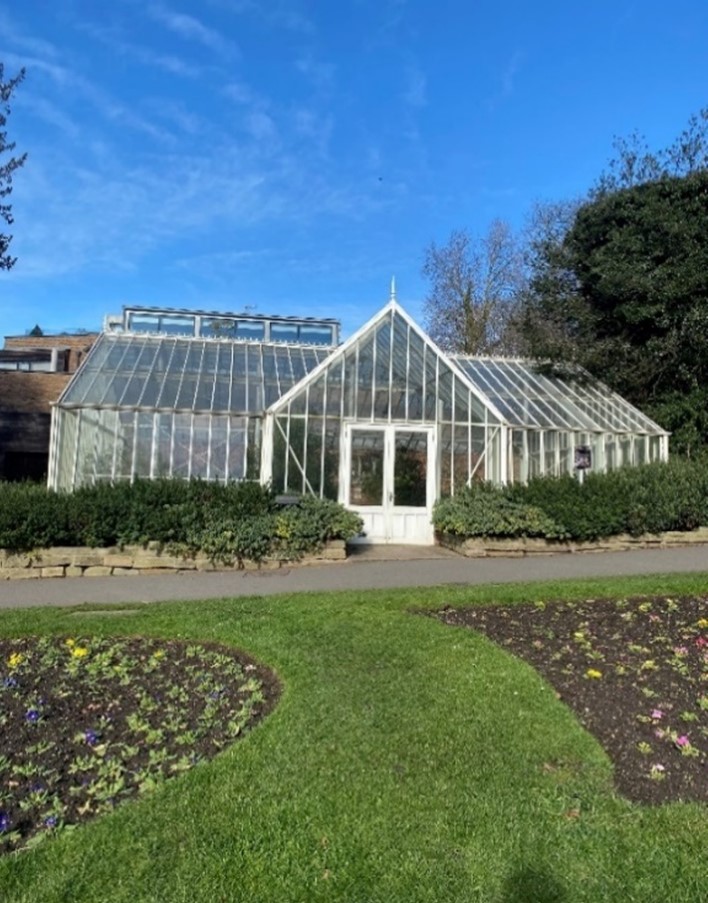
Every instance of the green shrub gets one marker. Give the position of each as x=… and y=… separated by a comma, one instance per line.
x=229, y=522
x=485, y=510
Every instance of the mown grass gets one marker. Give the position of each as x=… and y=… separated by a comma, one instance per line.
x=404, y=762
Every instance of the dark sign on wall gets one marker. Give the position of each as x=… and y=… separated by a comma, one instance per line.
x=583, y=457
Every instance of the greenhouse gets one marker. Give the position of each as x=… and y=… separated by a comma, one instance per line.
x=385, y=423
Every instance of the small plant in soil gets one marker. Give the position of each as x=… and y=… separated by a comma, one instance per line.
x=88, y=722
x=634, y=671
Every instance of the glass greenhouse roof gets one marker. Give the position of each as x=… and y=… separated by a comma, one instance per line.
x=527, y=398
x=173, y=373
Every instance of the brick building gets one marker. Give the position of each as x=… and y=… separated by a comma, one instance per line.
x=33, y=372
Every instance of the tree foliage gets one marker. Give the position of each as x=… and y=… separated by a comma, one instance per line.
x=474, y=287
x=7, y=166
x=633, y=308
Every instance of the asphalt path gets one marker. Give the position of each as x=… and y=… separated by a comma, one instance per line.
x=353, y=574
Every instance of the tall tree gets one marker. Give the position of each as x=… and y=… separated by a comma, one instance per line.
x=7, y=167
x=474, y=287
x=635, y=309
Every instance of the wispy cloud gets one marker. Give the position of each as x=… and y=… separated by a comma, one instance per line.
x=115, y=38
x=192, y=29
x=415, y=94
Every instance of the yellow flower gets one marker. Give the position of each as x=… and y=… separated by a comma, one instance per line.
x=15, y=660
x=79, y=652
x=592, y=673
x=159, y=654
x=70, y=643
x=702, y=623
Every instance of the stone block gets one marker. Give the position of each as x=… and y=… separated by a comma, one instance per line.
x=13, y=560
x=119, y=560
x=97, y=570
x=146, y=559
x=87, y=558
x=56, y=571
x=73, y=570
x=21, y=573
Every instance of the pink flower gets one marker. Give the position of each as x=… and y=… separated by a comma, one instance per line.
x=682, y=741
x=680, y=650
x=657, y=713
x=658, y=767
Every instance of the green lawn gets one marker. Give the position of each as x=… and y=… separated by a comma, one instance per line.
x=404, y=762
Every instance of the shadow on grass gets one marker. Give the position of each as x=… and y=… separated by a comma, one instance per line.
x=532, y=885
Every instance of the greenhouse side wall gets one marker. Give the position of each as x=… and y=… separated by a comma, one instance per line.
x=103, y=444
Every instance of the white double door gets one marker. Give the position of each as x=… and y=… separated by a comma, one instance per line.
x=388, y=477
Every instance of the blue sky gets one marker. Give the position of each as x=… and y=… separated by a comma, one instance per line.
x=291, y=156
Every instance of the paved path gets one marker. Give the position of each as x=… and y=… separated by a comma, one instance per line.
x=410, y=567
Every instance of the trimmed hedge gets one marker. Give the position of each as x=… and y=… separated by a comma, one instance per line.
x=653, y=498
x=228, y=522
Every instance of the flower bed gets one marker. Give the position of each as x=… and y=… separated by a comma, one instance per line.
x=88, y=722
x=635, y=673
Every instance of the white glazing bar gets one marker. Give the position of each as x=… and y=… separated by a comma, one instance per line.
x=373, y=377
x=77, y=440
x=502, y=459
x=324, y=434
x=342, y=373
x=454, y=439
x=408, y=369
x=116, y=431
x=173, y=417
x=305, y=431
x=54, y=419
x=228, y=447
x=155, y=445
x=245, y=448
x=469, y=437
x=209, y=441
x=664, y=448
x=287, y=448
x=190, y=453
x=355, y=412
x=135, y=447
x=425, y=384
x=542, y=452
x=390, y=372
x=267, y=444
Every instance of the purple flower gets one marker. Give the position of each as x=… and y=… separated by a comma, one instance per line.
x=657, y=713
x=10, y=682
x=32, y=715
x=91, y=737
x=51, y=821
x=4, y=822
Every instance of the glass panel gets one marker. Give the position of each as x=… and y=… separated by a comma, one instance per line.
x=550, y=444
x=177, y=325
x=144, y=322
x=181, y=438
x=124, y=459
x=253, y=454
x=163, y=442
x=316, y=335
x=534, y=453
x=382, y=375
x=218, y=328
x=460, y=458
x=217, y=460
x=250, y=329
x=283, y=332
x=143, y=446
x=367, y=467
x=410, y=469
x=330, y=488
x=237, y=448
x=200, y=447
x=365, y=380
x=445, y=439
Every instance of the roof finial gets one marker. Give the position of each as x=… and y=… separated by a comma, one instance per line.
x=393, y=288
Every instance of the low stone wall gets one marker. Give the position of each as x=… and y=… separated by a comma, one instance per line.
x=519, y=548
x=79, y=561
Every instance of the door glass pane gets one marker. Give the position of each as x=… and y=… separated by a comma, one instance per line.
x=367, y=469
x=410, y=469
